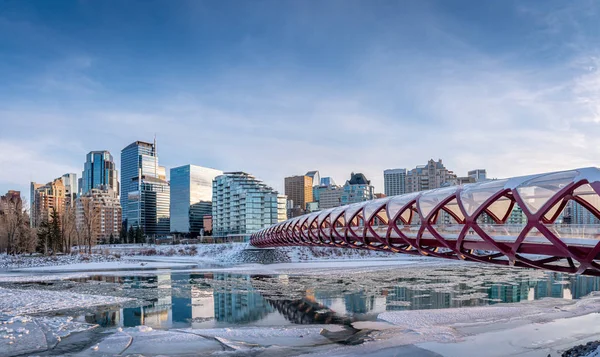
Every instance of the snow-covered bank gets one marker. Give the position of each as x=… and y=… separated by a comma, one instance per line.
x=27, y=261
x=108, y=266
x=234, y=253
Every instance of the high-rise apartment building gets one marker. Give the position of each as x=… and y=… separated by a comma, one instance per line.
x=357, y=189
x=394, y=182
x=191, y=197
x=46, y=199
x=478, y=174
x=430, y=176
x=101, y=210
x=99, y=170
x=299, y=190
x=243, y=204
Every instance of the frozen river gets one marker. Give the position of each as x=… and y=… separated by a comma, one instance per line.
x=322, y=306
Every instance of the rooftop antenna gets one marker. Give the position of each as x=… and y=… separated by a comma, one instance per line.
x=155, y=158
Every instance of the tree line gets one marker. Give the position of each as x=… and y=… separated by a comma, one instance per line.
x=58, y=233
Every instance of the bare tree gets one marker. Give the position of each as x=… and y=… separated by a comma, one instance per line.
x=68, y=228
x=13, y=219
x=88, y=217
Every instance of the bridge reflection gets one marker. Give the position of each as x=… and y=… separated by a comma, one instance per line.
x=213, y=300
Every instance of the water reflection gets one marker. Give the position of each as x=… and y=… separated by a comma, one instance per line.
x=174, y=299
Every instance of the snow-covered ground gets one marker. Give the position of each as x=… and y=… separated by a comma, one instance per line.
x=232, y=253
x=108, y=266
x=27, y=261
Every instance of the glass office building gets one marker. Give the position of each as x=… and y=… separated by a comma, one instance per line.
x=242, y=204
x=145, y=193
x=99, y=170
x=137, y=159
x=191, y=197
x=148, y=207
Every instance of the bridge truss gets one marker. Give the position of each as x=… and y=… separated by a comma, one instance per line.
x=521, y=221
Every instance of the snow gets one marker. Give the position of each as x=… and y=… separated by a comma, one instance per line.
x=15, y=302
x=108, y=267
x=27, y=261
x=25, y=335
x=596, y=353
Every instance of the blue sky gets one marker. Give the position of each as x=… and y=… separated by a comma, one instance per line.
x=278, y=88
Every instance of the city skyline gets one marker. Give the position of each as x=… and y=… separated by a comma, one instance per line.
x=420, y=79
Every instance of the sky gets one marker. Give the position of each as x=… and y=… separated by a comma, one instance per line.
x=279, y=88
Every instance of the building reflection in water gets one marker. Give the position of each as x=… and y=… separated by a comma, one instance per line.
x=177, y=299
x=239, y=307
x=556, y=285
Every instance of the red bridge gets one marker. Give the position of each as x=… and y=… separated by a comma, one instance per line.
x=522, y=221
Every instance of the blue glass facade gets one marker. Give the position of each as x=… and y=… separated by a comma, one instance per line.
x=191, y=197
x=148, y=208
x=99, y=170
x=137, y=159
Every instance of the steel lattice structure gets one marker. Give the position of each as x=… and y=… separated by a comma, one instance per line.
x=473, y=222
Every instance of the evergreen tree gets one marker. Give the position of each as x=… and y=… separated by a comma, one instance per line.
x=55, y=236
x=111, y=239
x=123, y=233
x=139, y=235
x=131, y=235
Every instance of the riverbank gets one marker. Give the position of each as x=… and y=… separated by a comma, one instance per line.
x=229, y=254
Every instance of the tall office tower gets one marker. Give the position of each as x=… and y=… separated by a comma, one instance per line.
x=148, y=207
x=71, y=187
x=47, y=199
x=243, y=204
x=191, y=197
x=394, y=182
x=299, y=190
x=141, y=173
x=430, y=176
x=99, y=170
x=357, y=189
x=101, y=208
x=478, y=175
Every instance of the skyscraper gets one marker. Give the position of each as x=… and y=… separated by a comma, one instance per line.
x=137, y=159
x=242, y=204
x=148, y=207
x=145, y=193
x=191, y=197
x=299, y=190
x=394, y=181
x=99, y=170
